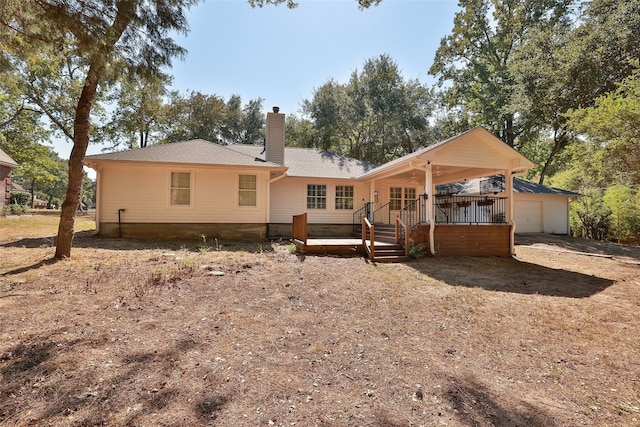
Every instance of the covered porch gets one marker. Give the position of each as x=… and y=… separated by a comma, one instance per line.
x=420, y=189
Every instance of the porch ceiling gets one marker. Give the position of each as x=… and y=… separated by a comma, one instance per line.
x=443, y=174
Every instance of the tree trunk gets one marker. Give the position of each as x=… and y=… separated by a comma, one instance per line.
x=71, y=202
x=510, y=137
x=559, y=142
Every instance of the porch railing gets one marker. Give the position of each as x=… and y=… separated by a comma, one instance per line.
x=382, y=215
x=415, y=211
x=403, y=233
x=470, y=210
x=368, y=228
x=364, y=211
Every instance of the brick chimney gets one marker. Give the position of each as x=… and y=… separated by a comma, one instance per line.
x=275, y=137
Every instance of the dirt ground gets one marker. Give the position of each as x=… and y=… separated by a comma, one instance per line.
x=153, y=333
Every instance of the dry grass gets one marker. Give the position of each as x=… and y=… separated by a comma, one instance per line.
x=149, y=333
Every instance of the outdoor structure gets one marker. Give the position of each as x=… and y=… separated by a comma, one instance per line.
x=196, y=188
x=6, y=164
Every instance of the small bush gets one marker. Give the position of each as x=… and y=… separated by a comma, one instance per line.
x=20, y=198
x=13, y=209
x=417, y=251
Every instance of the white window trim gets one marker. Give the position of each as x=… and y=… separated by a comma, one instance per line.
x=353, y=197
x=257, y=205
x=327, y=196
x=192, y=191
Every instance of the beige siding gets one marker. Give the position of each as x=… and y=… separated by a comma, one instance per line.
x=470, y=155
x=145, y=195
x=289, y=197
x=540, y=213
x=556, y=214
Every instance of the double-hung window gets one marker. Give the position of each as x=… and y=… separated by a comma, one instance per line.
x=247, y=190
x=180, y=188
x=316, y=196
x=344, y=197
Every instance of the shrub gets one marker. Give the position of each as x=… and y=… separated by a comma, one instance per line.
x=20, y=198
x=13, y=209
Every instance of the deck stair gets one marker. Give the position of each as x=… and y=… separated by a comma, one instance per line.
x=384, y=233
x=390, y=253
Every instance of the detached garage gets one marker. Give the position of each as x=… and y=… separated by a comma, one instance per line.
x=540, y=208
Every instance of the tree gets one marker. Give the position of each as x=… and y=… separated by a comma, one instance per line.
x=474, y=60
x=612, y=125
x=376, y=116
x=568, y=65
x=195, y=116
x=104, y=40
x=140, y=111
x=243, y=125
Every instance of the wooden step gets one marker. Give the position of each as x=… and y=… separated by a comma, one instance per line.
x=391, y=258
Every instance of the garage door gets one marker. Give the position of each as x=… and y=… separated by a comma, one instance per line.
x=528, y=216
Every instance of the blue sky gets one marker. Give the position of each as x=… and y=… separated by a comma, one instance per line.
x=282, y=54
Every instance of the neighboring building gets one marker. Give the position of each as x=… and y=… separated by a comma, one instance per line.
x=196, y=187
x=6, y=164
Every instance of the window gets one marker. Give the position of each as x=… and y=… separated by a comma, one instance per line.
x=410, y=196
x=316, y=196
x=395, y=198
x=180, y=188
x=400, y=197
x=247, y=190
x=344, y=197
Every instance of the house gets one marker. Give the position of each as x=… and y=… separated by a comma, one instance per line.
x=6, y=164
x=196, y=188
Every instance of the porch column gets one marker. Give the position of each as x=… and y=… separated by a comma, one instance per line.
x=508, y=179
x=429, y=190
x=372, y=200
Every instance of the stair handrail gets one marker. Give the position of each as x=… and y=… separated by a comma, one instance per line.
x=357, y=215
x=385, y=206
x=367, y=225
x=402, y=228
x=413, y=212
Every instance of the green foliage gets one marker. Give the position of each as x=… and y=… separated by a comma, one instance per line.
x=612, y=126
x=13, y=209
x=590, y=217
x=376, y=116
x=475, y=59
x=21, y=198
x=209, y=117
x=624, y=203
x=417, y=250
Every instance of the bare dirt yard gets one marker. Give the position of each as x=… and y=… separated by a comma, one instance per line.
x=189, y=333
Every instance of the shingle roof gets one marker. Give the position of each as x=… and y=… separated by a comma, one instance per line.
x=472, y=186
x=6, y=160
x=522, y=186
x=197, y=151
x=308, y=162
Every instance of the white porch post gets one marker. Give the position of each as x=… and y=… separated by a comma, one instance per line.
x=429, y=190
x=508, y=179
x=372, y=200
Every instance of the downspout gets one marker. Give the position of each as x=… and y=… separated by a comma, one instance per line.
x=271, y=181
x=428, y=190
x=98, y=195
